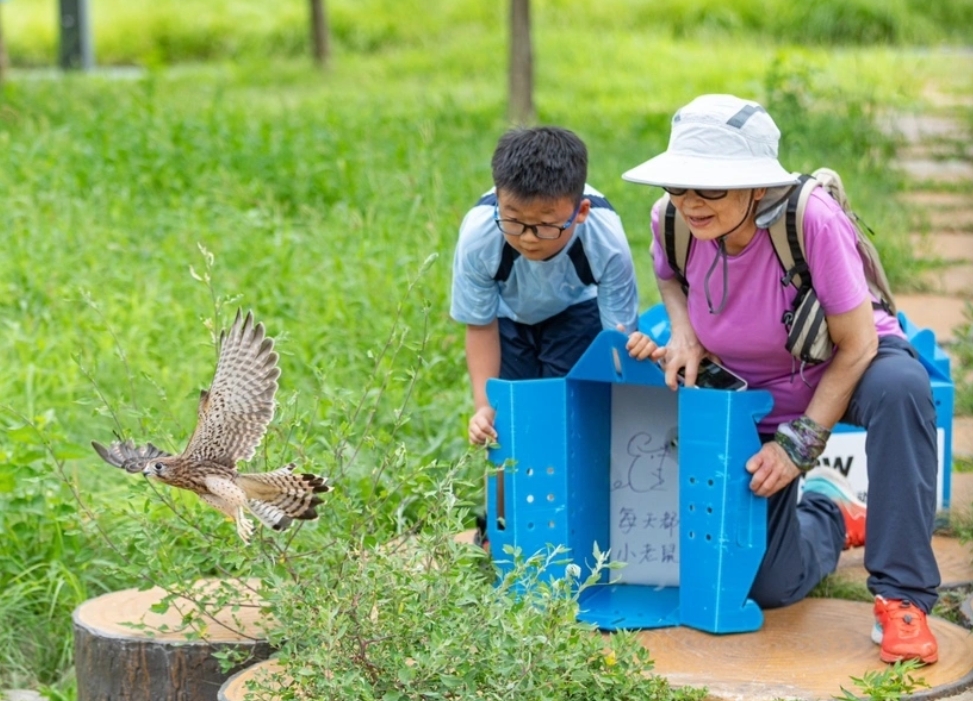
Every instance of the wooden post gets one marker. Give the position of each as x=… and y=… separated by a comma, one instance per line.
x=320, y=43
x=521, y=98
x=77, y=48
x=125, y=651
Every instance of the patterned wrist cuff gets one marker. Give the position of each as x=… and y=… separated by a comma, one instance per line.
x=803, y=440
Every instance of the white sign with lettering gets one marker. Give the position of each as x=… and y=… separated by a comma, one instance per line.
x=644, y=497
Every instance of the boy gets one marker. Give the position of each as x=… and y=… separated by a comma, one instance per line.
x=541, y=267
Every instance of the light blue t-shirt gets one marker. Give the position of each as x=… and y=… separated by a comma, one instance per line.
x=537, y=290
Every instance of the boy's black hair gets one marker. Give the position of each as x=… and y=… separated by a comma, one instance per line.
x=541, y=162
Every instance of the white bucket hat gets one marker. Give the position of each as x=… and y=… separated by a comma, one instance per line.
x=717, y=142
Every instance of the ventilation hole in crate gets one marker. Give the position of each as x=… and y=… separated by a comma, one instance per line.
x=550, y=497
x=550, y=524
x=710, y=482
x=692, y=507
x=530, y=527
x=530, y=498
x=617, y=362
x=530, y=471
x=692, y=480
x=691, y=534
x=709, y=509
x=709, y=537
x=550, y=469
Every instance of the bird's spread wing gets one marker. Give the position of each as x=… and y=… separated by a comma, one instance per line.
x=127, y=455
x=233, y=414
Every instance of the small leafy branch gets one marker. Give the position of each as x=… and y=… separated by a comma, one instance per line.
x=889, y=684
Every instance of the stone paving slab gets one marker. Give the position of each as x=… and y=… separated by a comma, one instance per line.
x=963, y=437
x=941, y=313
x=940, y=172
x=936, y=201
x=915, y=128
x=954, y=280
x=953, y=246
x=937, y=151
x=942, y=220
x=940, y=99
x=961, y=495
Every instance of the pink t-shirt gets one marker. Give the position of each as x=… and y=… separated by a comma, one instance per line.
x=748, y=335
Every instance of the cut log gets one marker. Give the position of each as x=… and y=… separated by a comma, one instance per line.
x=125, y=651
x=235, y=688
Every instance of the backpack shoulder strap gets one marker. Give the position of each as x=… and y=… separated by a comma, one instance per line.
x=581, y=265
x=508, y=254
x=676, y=238
x=787, y=235
x=878, y=282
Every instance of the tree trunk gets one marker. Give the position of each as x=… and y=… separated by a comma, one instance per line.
x=76, y=51
x=320, y=43
x=521, y=100
x=156, y=660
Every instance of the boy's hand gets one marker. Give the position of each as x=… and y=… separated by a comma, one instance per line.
x=481, y=426
x=640, y=346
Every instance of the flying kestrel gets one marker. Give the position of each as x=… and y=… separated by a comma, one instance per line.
x=231, y=421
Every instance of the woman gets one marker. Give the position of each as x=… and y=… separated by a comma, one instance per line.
x=723, y=177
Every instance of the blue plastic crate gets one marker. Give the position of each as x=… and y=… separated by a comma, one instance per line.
x=557, y=433
x=557, y=436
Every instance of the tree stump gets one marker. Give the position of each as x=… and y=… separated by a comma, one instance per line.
x=125, y=651
x=262, y=673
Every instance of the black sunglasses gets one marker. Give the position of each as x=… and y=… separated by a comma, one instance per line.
x=705, y=194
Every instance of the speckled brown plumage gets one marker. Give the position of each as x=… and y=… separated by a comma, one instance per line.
x=232, y=419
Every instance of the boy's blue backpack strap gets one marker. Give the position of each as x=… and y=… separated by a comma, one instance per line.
x=508, y=254
x=581, y=265
x=507, y=257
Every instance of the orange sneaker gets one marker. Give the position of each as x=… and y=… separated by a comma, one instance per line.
x=902, y=631
x=836, y=487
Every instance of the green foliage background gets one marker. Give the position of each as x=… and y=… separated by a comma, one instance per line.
x=167, y=31
x=139, y=208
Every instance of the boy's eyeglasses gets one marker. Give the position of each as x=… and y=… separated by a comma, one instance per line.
x=512, y=227
x=705, y=194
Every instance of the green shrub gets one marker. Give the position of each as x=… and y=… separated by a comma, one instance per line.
x=49, y=562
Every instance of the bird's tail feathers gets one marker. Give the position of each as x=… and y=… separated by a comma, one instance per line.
x=278, y=497
x=269, y=515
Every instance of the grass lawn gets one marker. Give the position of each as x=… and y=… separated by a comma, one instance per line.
x=138, y=213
